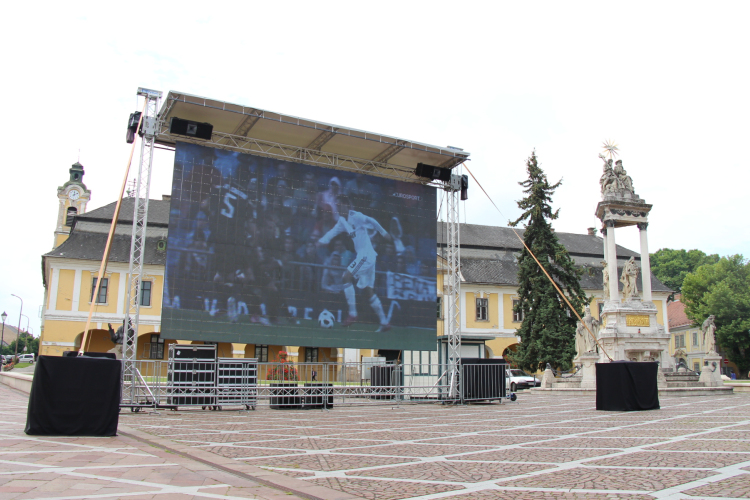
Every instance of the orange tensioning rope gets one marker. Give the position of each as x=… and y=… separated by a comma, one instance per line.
x=110, y=237
x=541, y=266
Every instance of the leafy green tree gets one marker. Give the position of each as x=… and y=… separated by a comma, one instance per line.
x=723, y=289
x=671, y=266
x=548, y=329
x=24, y=340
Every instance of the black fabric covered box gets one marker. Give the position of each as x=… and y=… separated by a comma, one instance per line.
x=627, y=386
x=74, y=396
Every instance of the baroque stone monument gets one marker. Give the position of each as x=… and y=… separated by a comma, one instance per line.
x=628, y=329
x=711, y=372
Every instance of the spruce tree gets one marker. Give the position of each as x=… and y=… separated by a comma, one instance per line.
x=548, y=329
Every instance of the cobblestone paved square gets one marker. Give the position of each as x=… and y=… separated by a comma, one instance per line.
x=540, y=447
x=610, y=479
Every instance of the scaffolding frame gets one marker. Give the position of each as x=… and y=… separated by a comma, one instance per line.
x=452, y=284
x=156, y=130
x=270, y=149
x=131, y=321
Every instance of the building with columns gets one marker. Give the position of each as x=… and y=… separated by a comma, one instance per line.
x=631, y=329
x=489, y=271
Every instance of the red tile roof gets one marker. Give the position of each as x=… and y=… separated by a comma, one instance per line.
x=676, y=314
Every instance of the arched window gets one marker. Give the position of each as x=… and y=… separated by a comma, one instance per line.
x=72, y=212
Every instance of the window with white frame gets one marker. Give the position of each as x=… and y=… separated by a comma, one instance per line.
x=695, y=338
x=482, y=309
x=102, y=297
x=517, y=313
x=679, y=341
x=156, y=347
x=146, y=293
x=439, y=307
x=311, y=354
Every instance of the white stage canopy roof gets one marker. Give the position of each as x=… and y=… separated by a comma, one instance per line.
x=268, y=133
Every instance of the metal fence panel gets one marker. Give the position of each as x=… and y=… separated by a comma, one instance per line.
x=235, y=382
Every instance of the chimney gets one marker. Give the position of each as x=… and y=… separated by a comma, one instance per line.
x=592, y=231
x=166, y=197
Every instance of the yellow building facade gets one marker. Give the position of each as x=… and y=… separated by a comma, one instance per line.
x=488, y=290
x=489, y=283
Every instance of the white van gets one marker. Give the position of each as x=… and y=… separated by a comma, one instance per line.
x=26, y=358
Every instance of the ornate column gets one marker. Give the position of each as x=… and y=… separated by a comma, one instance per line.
x=645, y=262
x=614, y=293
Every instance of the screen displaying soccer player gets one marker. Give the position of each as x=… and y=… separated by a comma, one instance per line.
x=268, y=251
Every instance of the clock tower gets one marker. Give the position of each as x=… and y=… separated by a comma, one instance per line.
x=73, y=198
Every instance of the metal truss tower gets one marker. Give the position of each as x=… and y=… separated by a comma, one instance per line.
x=452, y=285
x=138, y=245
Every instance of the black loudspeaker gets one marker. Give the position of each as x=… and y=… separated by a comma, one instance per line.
x=132, y=126
x=74, y=354
x=432, y=172
x=190, y=128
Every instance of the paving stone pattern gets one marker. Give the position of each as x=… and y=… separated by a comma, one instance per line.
x=72, y=468
x=540, y=447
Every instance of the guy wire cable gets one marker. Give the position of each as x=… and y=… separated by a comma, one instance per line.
x=542, y=267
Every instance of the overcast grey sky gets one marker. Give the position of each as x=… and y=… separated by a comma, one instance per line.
x=667, y=81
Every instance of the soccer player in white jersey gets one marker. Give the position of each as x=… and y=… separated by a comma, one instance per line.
x=358, y=226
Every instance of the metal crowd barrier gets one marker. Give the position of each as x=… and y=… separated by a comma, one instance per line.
x=245, y=383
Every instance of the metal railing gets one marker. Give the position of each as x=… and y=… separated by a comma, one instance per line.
x=246, y=383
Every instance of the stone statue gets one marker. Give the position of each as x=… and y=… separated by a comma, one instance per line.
x=709, y=339
x=608, y=181
x=585, y=341
x=117, y=338
x=605, y=279
x=623, y=179
x=580, y=339
x=628, y=279
x=593, y=325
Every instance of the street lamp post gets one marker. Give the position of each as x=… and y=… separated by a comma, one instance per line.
x=2, y=336
x=18, y=335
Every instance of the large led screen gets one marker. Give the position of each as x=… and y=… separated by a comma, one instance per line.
x=266, y=251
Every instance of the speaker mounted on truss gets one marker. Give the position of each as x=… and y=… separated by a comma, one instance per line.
x=432, y=172
x=133, y=127
x=190, y=128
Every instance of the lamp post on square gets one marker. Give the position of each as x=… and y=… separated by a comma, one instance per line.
x=2, y=335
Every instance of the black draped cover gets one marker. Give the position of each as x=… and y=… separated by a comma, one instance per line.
x=627, y=386
x=74, y=396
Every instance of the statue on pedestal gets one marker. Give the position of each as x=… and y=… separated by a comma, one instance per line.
x=608, y=181
x=117, y=337
x=623, y=179
x=585, y=342
x=605, y=279
x=709, y=339
x=628, y=279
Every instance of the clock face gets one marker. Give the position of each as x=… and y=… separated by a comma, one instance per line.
x=74, y=194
